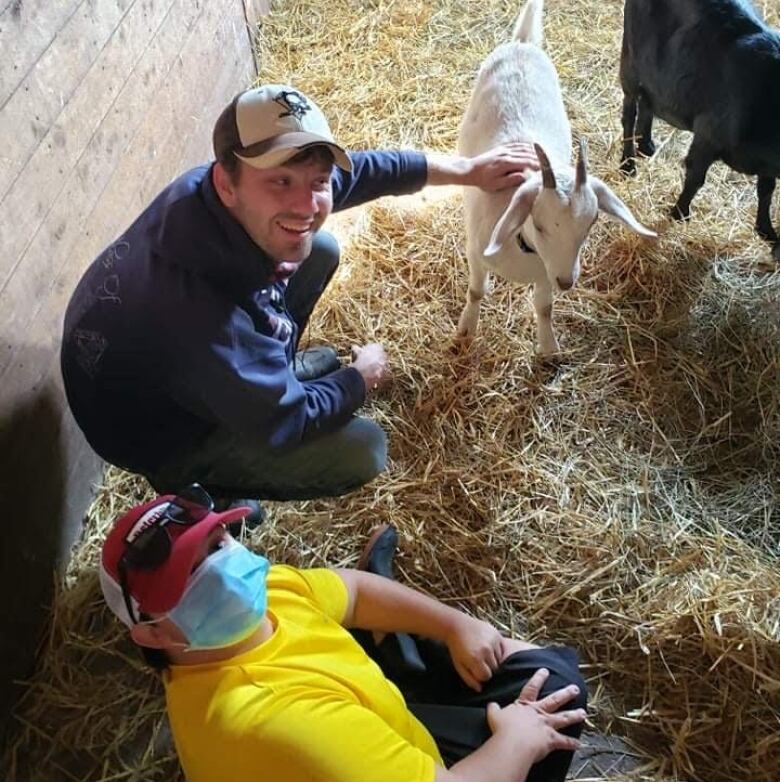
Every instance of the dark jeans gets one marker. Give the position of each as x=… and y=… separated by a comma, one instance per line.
x=232, y=464
x=455, y=715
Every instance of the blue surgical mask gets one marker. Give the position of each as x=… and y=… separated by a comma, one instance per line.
x=225, y=598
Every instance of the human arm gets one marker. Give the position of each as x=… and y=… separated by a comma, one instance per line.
x=379, y=604
x=379, y=173
x=524, y=733
x=232, y=368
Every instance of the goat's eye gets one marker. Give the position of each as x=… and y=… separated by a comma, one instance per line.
x=538, y=228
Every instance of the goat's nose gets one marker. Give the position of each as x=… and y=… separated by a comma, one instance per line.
x=564, y=284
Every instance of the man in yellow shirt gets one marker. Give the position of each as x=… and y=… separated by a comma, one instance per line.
x=265, y=681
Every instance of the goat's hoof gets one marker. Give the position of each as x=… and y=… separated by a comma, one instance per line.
x=679, y=214
x=646, y=148
x=776, y=252
x=628, y=166
x=548, y=352
x=766, y=232
x=462, y=341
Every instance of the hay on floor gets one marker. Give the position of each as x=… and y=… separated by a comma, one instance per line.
x=622, y=499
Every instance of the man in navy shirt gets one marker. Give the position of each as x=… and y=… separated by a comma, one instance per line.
x=179, y=346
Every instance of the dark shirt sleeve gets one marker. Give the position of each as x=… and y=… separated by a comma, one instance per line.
x=240, y=378
x=376, y=174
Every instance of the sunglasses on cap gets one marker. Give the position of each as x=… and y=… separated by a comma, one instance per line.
x=151, y=547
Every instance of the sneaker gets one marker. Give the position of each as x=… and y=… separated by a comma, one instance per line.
x=379, y=553
x=399, y=649
x=316, y=362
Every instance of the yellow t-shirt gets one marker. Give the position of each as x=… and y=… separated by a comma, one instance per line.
x=306, y=705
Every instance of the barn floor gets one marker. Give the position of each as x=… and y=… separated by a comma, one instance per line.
x=622, y=498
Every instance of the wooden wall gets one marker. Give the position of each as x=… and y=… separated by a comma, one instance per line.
x=102, y=102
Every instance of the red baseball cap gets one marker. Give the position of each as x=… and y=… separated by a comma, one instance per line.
x=156, y=590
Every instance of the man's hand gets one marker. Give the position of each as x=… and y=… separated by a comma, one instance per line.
x=503, y=166
x=371, y=361
x=476, y=649
x=496, y=169
x=535, y=721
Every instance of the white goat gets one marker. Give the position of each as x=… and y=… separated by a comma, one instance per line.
x=535, y=233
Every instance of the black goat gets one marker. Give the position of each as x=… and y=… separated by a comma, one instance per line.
x=711, y=67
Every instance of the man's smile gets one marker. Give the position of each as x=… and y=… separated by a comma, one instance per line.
x=297, y=228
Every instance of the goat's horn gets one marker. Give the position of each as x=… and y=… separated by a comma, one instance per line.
x=582, y=165
x=548, y=178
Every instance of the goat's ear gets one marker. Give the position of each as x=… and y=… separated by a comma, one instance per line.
x=613, y=207
x=515, y=215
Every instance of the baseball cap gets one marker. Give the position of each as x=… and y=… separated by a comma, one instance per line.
x=266, y=126
x=158, y=589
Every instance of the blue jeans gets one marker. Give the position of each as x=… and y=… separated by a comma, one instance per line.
x=231, y=464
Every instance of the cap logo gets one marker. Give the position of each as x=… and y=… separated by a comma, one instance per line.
x=295, y=104
x=149, y=519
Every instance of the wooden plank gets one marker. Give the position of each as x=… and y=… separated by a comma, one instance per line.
x=38, y=447
x=185, y=86
x=34, y=106
x=155, y=154
x=254, y=10
x=151, y=160
x=29, y=201
x=230, y=72
x=63, y=232
x=182, y=107
x=236, y=73
x=47, y=467
x=26, y=30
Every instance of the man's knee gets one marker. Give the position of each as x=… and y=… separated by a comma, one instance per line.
x=325, y=253
x=364, y=451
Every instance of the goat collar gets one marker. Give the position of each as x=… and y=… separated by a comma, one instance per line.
x=524, y=246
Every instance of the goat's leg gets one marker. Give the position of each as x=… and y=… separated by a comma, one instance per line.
x=765, y=187
x=543, y=304
x=467, y=325
x=627, y=157
x=644, y=127
x=764, y=227
x=697, y=162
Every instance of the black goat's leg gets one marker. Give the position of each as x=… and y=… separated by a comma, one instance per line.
x=765, y=187
x=697, y=162
x=644, y=127
x=627, y=158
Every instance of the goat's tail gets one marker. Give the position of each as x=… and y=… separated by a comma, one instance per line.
x=528, y=27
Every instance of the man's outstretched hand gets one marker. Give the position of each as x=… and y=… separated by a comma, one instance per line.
x=371, y=361
x=498, y=168
x=504, y=166
x=537, y=723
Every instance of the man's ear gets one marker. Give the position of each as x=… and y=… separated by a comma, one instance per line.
x=224, y=185
x=153, y=636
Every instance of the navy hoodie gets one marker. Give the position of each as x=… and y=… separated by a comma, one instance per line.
x=178, y=328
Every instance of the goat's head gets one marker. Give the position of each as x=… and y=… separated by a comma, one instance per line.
x=558, y=211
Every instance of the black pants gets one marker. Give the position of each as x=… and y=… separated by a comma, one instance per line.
x=455, y=715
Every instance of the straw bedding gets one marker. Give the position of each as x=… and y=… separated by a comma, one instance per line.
x=622, y=499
